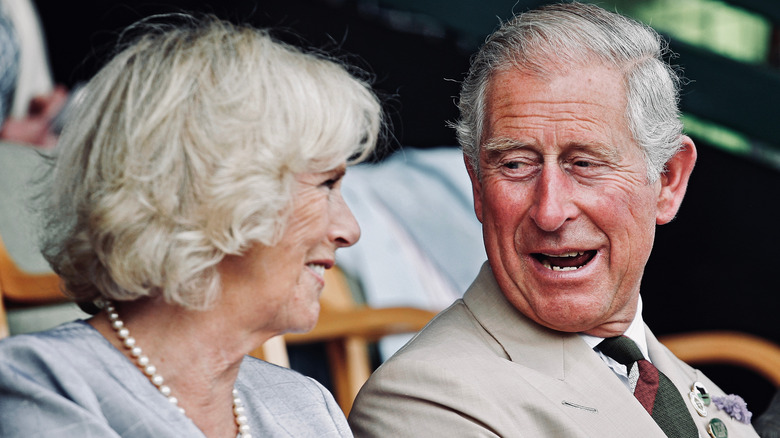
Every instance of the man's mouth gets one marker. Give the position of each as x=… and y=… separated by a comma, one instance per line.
x=570, y=261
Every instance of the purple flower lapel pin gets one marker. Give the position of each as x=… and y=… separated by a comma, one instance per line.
x=735, y=406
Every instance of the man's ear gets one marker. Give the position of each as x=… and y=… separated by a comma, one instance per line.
x=476, y=187
x=674, y=181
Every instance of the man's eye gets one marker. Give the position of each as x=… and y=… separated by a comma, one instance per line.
x=583, y=163
x=513, y=165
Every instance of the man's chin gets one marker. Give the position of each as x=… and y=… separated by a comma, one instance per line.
x=576, y=320
x=600, y=325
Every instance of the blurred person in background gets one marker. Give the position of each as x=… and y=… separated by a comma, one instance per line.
x=33, y=107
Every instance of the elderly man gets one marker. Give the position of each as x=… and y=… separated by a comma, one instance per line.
x=569, y=126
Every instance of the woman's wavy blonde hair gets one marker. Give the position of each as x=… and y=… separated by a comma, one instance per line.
x=184, y=149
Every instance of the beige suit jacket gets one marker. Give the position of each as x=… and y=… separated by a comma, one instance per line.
x=482, y=369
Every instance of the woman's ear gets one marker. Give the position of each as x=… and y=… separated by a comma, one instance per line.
x=674, y=181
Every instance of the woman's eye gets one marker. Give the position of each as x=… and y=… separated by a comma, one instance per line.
x=331, y=183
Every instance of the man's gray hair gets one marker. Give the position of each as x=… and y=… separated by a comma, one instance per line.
x=557, y=37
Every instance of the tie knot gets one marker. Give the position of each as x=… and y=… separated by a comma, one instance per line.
x=622, y=349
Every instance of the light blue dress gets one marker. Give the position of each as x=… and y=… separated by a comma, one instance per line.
x=71, y=382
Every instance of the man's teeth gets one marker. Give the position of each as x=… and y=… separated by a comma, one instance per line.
x=547, y=265
x=571, y=254
x=568, y=254
x=319, y=269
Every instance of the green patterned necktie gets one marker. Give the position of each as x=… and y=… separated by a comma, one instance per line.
x=652, y=388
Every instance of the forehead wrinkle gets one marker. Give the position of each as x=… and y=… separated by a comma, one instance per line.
x=531, y=113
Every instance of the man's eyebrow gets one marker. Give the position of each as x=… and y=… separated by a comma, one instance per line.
x=603, y=150
x=500, y=144
x=600, y=149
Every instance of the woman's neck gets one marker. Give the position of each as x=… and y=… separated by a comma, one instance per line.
x=196, y=352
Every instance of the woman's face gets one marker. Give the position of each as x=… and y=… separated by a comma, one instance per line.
x=282, y=284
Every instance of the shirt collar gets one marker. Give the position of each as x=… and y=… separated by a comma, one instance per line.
x=635, y=331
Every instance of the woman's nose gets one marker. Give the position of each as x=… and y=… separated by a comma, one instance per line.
x=344, y=229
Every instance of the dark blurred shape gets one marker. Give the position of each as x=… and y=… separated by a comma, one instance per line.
x=417, y=62
x=768, y=424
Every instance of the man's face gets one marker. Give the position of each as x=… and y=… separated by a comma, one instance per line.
x=567, y=211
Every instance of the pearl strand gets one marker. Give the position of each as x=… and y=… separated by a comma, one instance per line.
x=143, y=362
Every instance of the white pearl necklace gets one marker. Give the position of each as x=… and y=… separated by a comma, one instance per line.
x=142, y=361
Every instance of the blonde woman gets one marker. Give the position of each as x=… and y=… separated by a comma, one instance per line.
x=195, y=205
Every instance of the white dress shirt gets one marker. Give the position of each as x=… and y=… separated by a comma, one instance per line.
x=636, y=332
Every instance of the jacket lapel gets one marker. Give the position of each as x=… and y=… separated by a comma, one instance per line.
x=569, y=373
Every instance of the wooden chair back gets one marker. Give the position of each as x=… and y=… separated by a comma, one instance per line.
x=20, y=287
x=4, y=332
x=25, y=287
x=730, y=348
x=347, y=329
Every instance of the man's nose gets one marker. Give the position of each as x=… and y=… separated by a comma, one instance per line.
x=344, y=229
x=553, y=199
